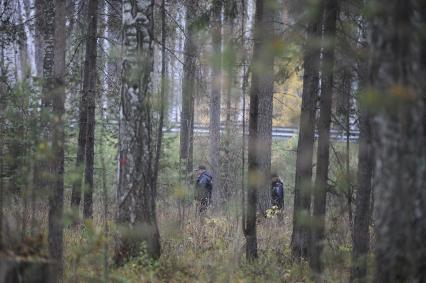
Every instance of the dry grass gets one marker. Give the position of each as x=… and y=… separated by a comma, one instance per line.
x=209, y=249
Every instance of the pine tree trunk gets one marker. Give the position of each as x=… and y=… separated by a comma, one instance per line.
x=398, y=72
x=265, y=87
x=89, y=90
x=115, y=18
x=363, y=202
x=302, y=192
x=188, y=92
x=421, y=255
x=260, y=95
x=82, y=119
x=56, y=197
x=3, y=90
x=136, y=216
x=38, y=36
x=41, y=169
x=229, y=74
x=361, y=232
x=320, y=190
x=214, y=141
x=163, y=95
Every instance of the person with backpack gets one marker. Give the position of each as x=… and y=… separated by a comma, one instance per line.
x=203, y=188
x=277, y=191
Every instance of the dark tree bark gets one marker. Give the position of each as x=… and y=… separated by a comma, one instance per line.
x=303, y=183
x=136, y=215
x=263, y=84
x=3, y=90
x=214, y=138
x=320, y=190
x=163, y=90
x=188, y=92
x=230, y=11
x=260, y=96
x=56, y=163
x=85, y=148
x=38, y=38
x=244, y=92
x=398, y=73
x=81, y=147
x=41, y=169
x=361, y=235
x=363, y=203
x=89, y=90
x=114, y=23
x=38, y=54
x=421, y=231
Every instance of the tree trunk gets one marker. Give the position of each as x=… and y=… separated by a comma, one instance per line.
x=263, y=84
x=3, y=91
x=303, y=183
x=363, y=202
x=115, y=17
x=214, y=138
x=320, y=190
x=229, y=62
x=188, y=92
x=38, y=54
x=24, y=64
x=361, y=234
x=260, y=96
x=38, y=36
x=56, y=197
x=136, y=216
x=81, y=146
x=89, y=90
x=41, y=172
x=398, y=73
x=163, y=98
x=244, y=92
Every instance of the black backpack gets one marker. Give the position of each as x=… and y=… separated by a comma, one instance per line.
x=278, y=190
x=209, y=184
x=205, y=181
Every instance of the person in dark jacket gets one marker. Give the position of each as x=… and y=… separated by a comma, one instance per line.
x=277, y=191
x=203, y=188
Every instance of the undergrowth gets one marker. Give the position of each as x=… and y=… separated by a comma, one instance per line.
x=209, y=249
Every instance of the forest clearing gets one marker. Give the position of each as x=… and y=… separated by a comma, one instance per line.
x=212, y=141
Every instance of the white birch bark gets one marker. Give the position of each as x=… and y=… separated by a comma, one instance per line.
x=136, y=193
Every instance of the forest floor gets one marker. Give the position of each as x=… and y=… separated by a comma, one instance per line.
x=199, y=250
x=213, y=249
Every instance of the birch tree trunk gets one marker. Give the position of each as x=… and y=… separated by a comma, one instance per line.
x=25, y=66
x=398, y=71
x=56, y=196
x=320, y=190
x=300, y=238
x=136, y=217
